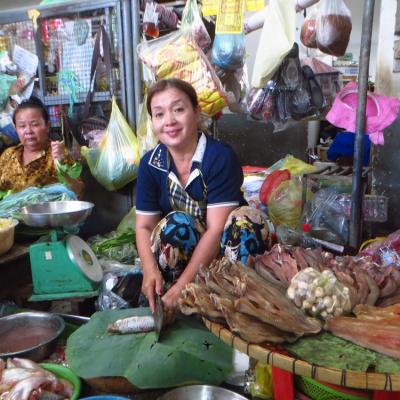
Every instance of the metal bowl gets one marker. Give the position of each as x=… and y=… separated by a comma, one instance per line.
x=30, y=335
x=201, y=392
x=54, y=214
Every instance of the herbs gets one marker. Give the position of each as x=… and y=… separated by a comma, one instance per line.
x=117, y=246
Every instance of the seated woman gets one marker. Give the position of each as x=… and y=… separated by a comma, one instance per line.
x=31, y=163
x=188, y=191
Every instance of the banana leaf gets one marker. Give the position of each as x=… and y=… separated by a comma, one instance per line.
x=341, y=354
x=187, y=353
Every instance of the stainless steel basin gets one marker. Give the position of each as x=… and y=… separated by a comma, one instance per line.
x=201, y=392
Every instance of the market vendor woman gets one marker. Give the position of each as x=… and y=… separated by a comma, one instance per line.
x=187, y=188
x=31, y=163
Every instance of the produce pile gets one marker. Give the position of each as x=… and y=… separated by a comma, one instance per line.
x=294, y=292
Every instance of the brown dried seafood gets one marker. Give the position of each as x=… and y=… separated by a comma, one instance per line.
x=253, y=307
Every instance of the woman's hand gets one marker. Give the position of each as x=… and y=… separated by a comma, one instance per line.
x=58, y=151
x=153, y=282
x=170, y=302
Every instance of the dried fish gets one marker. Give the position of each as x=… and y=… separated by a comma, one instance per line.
x=132, y=325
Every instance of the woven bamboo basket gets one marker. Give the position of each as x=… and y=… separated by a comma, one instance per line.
x=346, y=378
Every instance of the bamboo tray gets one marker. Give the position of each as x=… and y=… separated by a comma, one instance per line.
x=346, y=378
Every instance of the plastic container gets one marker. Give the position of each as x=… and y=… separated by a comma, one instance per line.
x=7, y=235
x=65, y=373
x=318, y=391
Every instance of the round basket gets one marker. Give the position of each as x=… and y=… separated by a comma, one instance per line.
x=345, y=378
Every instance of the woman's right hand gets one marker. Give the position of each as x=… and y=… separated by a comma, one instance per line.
x=153, y=282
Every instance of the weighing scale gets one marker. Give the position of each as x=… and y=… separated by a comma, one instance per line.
x=62, y=264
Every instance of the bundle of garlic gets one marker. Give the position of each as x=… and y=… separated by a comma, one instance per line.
x=319, y=294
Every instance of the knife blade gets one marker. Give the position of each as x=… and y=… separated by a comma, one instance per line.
x=158, y=317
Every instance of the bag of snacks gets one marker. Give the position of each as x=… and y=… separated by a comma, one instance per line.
x=333, y=27
x=178, y=56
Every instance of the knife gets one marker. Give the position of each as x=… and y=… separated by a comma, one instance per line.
x=158, y=317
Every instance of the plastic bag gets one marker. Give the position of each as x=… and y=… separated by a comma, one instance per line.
x=128, y=222
x=8, y=134
x=150, y=20
x=6, y=82
x=277, y=38
x=115, y=162
x=120, y=290
x=228, y=51
x=178, y=56
x=146, y=137
x=192, y=22
x=308, y=33
x=294, y=165
x=333, y=27
x=285, y=204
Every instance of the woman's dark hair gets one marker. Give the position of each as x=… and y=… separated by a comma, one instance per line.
x=35, y=103
x=178, y=84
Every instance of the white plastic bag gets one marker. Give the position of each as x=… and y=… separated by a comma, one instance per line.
x=276, y=40
x=114, y=163
x=333, y=27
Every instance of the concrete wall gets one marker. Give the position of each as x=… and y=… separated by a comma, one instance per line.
x=386, y=166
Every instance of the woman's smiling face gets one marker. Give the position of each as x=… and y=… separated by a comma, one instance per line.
x=174, y=118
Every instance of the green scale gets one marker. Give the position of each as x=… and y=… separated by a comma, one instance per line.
x=62, y=264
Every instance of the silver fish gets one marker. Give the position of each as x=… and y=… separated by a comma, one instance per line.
x=23, y=389
x=134, y=324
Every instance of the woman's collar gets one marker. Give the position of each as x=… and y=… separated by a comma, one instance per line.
x=159, y=156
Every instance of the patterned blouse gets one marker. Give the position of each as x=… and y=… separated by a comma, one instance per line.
x=16, y=176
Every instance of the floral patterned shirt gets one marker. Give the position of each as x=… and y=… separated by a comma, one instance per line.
x=16, y=176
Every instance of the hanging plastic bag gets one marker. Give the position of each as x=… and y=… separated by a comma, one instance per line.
x=146, y=137
x=228, y=51
x=192, y=22
x=308, y=33
x=178, y=56
x=277, y=38
x=150, y=20
x=333, y=27
x=115, y=162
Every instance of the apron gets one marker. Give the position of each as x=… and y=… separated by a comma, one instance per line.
x=180, y=200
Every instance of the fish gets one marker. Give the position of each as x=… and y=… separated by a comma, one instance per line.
x=23, y=389
x=381, y=337
x=11, y=376
x=133, y=324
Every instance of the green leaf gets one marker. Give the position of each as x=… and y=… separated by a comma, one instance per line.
x=73, y=171
x=187, y=353
x=341, y=354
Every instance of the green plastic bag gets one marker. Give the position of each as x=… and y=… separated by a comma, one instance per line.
x=5, y=84
x=115, y=162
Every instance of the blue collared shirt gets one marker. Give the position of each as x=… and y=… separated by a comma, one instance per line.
x=219, y=167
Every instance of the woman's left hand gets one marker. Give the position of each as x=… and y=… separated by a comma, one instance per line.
x=58, y=151
x=170, y=302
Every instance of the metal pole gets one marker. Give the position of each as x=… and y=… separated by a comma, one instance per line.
x=357, y=195
x=128, y=60
x=136, y=61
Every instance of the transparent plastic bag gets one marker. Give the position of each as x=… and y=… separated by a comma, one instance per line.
x=120, y=289
x=285, y=204
x=327, y=211
x=178, y=56
x=308, y=33
x=6, y=81
x=294, y=165
x=228, y=51
x=192, y=22
x=146, y=137
x=150, y=20
x=115, y=162
x=333, y=27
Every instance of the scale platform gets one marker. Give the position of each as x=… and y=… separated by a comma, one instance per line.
x=62, y=264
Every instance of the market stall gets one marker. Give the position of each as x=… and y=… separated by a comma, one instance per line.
x=309, y=303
